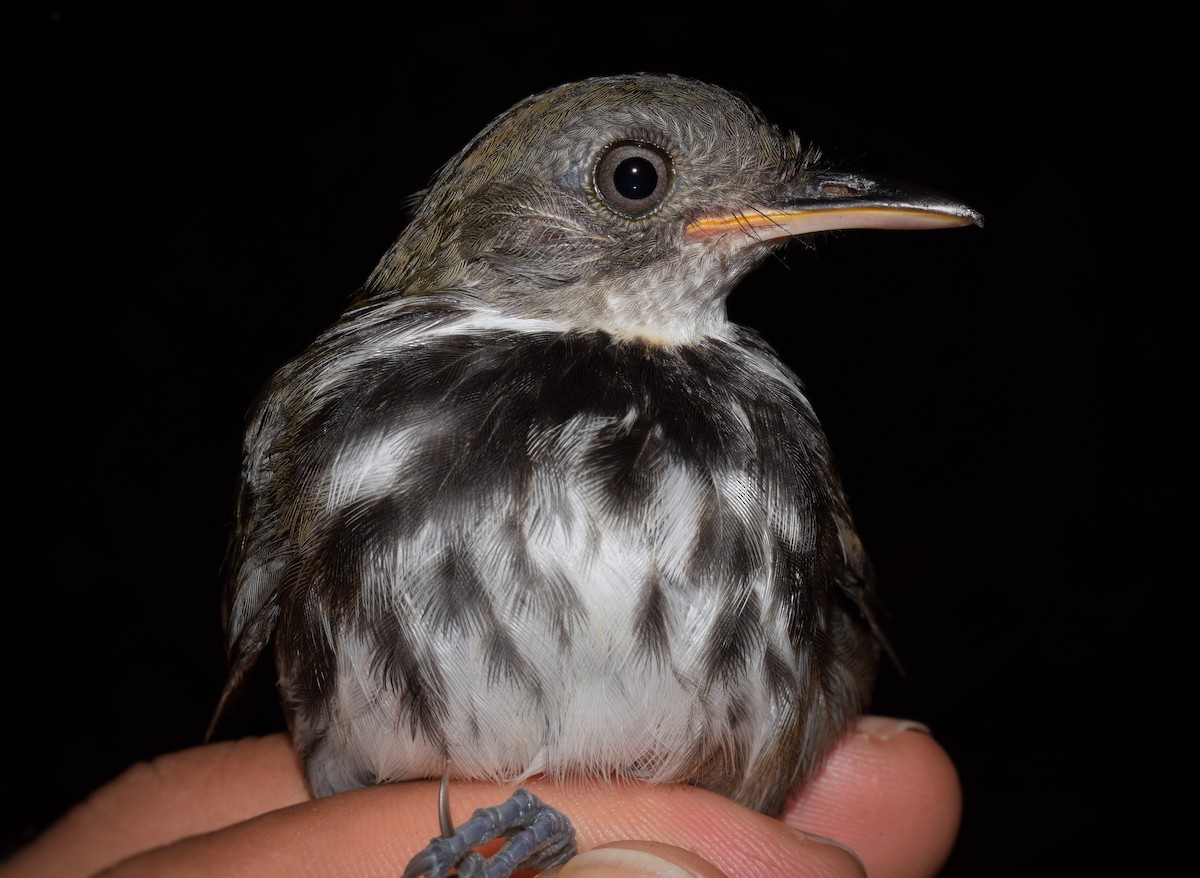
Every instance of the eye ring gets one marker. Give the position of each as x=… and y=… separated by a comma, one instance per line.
x=632, y=178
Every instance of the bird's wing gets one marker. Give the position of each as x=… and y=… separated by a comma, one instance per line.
x=857, y=583
x=250, y=608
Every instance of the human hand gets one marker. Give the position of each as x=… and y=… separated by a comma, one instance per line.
x=888, y=793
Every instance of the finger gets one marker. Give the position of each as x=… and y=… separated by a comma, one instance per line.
x=374, y=831
x=891, y=793
x=215, y=809
x=208, y=788
x=158, y=802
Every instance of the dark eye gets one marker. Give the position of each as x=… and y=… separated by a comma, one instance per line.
x=632, y=178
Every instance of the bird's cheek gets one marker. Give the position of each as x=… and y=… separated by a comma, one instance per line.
x=535, y=249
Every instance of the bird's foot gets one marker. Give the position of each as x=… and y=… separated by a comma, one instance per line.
x=538, y=837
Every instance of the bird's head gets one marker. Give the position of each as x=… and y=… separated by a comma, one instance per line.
x=630, y=204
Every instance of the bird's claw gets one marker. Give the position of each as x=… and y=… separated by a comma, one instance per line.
x=538, y=837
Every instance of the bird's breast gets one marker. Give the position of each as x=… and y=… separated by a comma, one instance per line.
x=568, y=552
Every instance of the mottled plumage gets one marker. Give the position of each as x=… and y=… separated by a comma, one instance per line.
x=533, y=505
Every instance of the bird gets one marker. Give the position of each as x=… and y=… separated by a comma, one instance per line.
x=534, y=505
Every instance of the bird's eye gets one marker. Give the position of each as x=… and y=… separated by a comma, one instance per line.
x=632, y=178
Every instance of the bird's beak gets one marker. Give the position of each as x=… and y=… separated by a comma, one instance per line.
x=840, y=201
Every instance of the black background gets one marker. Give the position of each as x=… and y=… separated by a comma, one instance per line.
x=193, y=191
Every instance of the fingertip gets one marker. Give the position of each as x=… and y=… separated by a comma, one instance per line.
x=891, y=793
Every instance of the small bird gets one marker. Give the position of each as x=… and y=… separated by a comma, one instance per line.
x=534, y=505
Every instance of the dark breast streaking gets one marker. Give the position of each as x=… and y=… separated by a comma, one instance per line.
x=624, y=538
x=534, y=505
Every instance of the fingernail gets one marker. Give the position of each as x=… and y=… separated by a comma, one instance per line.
x=884, y=728
x=822, y=839
x=627, y=863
